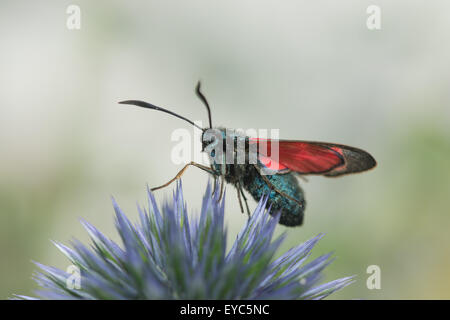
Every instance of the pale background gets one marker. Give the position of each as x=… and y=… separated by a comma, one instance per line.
x=310, y=68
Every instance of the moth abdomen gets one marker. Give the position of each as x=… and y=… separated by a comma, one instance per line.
x=291, y=211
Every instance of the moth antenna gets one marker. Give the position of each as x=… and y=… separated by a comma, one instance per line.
x=153, y=107
x=205, y=102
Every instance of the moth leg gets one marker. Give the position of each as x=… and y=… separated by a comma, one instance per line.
x=303, y=177
x=215, y=186
x=239, y=198
x=215, y=181
x=180, y=173
x=271, y=186
x=222, y=182
x=245, y=199
x=222, y=179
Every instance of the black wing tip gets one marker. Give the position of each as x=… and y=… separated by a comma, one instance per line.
x=364, y=158
x=357, y=161
x=367, y=159
x=372, y=162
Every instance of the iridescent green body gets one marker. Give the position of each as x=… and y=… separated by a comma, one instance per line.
x=291, y=211
x=251, y=179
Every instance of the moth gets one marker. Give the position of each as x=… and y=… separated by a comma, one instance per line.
x=259, y=171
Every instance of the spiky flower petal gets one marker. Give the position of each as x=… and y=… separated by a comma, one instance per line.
x=168, y=255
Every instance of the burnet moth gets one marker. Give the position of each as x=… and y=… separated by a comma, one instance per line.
x=255, y=167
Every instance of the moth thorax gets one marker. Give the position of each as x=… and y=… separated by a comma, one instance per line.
x=226, y=146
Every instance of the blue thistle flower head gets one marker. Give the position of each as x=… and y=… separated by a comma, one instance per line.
x=169, y=255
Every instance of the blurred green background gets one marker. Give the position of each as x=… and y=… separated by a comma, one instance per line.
x=310, y=68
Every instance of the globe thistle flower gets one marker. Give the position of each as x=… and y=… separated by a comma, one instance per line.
x=170, y=255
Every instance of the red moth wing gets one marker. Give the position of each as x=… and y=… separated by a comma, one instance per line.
x=272, y=164
x=307, y=157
